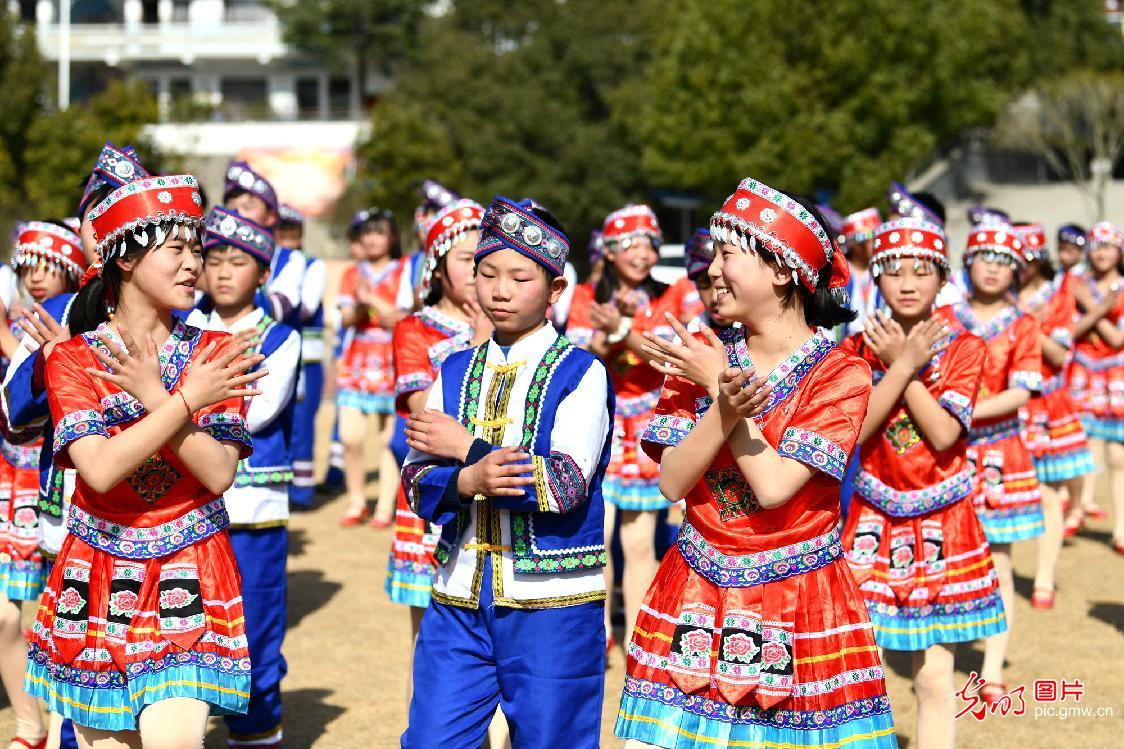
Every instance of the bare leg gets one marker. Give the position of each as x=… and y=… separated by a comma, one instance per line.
x=610, y=523
x=353, y=433
x=54, y=731
x=1050, y=542
x=388, y=473
x=933, y=683
x=1089, y=493
x=499, y=735
x=995, y=647
x=174, y=723
x=1114, y=458
x=638, y=541
x=416, y=613
x=95, y=738
x=13, y=663
x=1075, y=490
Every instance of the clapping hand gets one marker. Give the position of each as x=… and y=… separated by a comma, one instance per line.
x=700, y=361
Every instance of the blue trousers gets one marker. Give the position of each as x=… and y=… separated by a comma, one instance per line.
x=303, y=442
x=545, y=667
x=261, y=555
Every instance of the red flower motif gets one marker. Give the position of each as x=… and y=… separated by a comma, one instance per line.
x=26, y=517
x=123, y=602
x=866, y=543
x=71, y=601
x=902, y=556
x=176, y=598
x=932, y=551
x=774, y=655
x=739, y=647
x=695, y=642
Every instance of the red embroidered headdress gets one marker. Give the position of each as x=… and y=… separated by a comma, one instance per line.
x=145, y=204
x=757, y=214
x=995, y=239
x=40, y=241
x=908, y=237
x=625, y=224
x=445, y=230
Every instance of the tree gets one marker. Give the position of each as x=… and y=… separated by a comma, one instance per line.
x=536, y=104
x=352, y=32
x=21, y=100
x=45, y=154
x=1077, y=124
x=846, y=96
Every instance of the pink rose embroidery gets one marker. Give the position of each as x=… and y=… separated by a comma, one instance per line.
x=774, y=655
x=123, y=603
x=176, y=598
x=70, y=602
x=695, y=642
x=932, y=551
x=866, y=544
x=26, y=517
x=902, y=556
x=739, y=647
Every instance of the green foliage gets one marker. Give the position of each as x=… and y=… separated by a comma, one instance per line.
x=46, y=154
x=528, y=100
x=846, y=96
x=344, y=31
x=585, y=104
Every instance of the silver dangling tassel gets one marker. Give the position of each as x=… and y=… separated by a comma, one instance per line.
x=188, y=232
x=142, y=237
x=161, y=235
x=840, y=296
x=175, y=230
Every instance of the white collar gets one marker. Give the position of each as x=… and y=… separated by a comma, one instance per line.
x=249, y=320
x=527, y=350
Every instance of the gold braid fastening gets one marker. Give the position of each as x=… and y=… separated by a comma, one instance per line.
x=503, y=369
x=501, y=421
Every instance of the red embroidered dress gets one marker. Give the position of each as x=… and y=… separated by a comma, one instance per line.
x=421, y=343
x=754, y=632
x=913, y=541
x=366, y=371
x=1051, y=422
x=144, y=600
x=1009, y=503
x=1096, y=376
x=632, y=481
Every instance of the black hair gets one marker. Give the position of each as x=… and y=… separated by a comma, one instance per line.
x=436, y=293
x=1046, y=267
x=820, y=308
x=932, y=202
x=607, y=284
x=378, y=220
x=92, y=304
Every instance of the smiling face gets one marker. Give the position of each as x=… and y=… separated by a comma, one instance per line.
x=1104, y=257
x=515, y=292
x=709, y=298
x=166, y=275
x=992, y=273
x=232, y=277
x=44, y=280
x=635, y=262
x=746, y=287
x=910, y=288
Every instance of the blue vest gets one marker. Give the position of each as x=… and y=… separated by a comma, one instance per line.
x=271, y=461
x=575, y=534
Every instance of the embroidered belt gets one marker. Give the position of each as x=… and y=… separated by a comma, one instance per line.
x=994, y=432
x=747, y=570
x=21, y=456
x=641, y=404
x=148, y=543
x=907, y=504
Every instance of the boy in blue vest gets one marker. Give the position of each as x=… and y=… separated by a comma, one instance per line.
x=508, y=457
x=236, y=257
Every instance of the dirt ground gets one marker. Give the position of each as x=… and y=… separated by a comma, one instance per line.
x=347, y=648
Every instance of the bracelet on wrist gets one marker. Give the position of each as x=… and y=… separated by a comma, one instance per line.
x=186, y=407
x=621, y=332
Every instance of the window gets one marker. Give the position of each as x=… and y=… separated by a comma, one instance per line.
x=244, y=98
x=308, y=98
x=339, y=98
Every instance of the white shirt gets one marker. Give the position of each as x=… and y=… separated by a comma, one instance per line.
x=581, y=426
